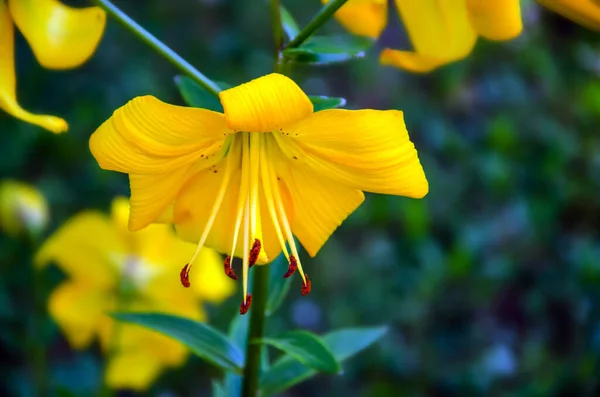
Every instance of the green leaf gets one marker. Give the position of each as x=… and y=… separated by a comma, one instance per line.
x=307, y=348
x=325, y=102
x=323, y=50
x=345, y=343
x=278, y=286
x=196, y=96
x=202, y=339
x=289, y=24
x=218, y=390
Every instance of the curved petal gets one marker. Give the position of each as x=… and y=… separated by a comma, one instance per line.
x=85, y=248
x=265, y=104
x=320, y=203
x=363, y=149
x=78, y=309
x=584, y=12
x=363, y=17
x=496, y=20
x=8, y=84
x=439, y=30
x=411, y=61
x=193, y=207
x=61, y=37
x=148, y=136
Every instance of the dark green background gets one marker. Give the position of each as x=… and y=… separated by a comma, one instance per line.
x=490, y=284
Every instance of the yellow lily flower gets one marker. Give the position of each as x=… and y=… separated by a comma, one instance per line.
x=112, y=269
x=441, y=31
x=584, y=12
x=61, y=37
x=22, y=209
x=214, y=175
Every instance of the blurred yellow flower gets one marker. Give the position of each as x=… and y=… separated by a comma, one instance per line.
x=213, y=175
x=441, y=31
x=23, y=209
x=584, y=12
x=112, y=269
x=61, y=37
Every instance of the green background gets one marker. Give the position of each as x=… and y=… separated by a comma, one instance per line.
x=490, y=285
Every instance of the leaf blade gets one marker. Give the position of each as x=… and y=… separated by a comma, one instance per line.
x=321, y=102
x=323, y=50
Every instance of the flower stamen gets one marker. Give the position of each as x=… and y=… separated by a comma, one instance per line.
x=293, y=266
x=245, y=305
x=254, y=252
x=306, y=285
x=228, y=269
x=184, y=275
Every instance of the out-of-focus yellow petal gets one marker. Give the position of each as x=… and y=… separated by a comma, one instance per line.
x=86, y=248
x=367, y=150
x=584, y=12
x=496, y=19
x=320, y=203
x=8, y=84
x=78, y=309
x=208, y=281
x=148, y=136
x=23, y=208
x=411, y=61
x=265, y=104
x=439, y=30
x=61, y=37
x=363, y=17
x=133, y=370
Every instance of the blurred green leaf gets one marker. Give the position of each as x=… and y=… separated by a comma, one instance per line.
x=307, y=348
x=290, y=27
x=287, y=372
x=323, y=50
x=278, y=286
x=196, y=96
x=202, y=339
x=321, y=102
x=218, y=390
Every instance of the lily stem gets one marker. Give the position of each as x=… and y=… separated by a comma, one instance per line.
x=158, y=46
x=260, y=291
x=322, y=16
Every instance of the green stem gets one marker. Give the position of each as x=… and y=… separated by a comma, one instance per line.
x=276, y=25
x=322, y=16
x=159, y=46
x=260, y=291
x=37, y=326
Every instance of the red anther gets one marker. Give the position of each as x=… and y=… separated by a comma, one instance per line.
x=244, y=307
x=306, y=286
x=254, y=251
x=185, y=276
x=293, y=266
x=228, y=269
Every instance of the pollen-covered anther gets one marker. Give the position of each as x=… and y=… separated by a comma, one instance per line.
x=245, y=305
x=254, y=252
x=228, y=269
x=306, y=285
x=292, y=267
x=184, y=276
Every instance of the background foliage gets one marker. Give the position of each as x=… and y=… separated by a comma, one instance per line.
x=490, y=284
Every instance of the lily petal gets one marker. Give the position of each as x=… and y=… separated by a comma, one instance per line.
x=148, y=136
x=8, y=84
x=133, y=370
x=78, y=309
x=61, y=37
x=85, y=248
x=440, y=32
x=584, y=12
x=321, y=203
x=265, y=104
x=497, y=19
x=367, y=150
x=363, y=17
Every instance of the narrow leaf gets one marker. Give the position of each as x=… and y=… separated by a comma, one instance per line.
x=196, y=96
x=202, y=339
x=289, y=24
x=323, y=50
x=217, y=389
x=278, y=286
x=325, y=102
x=307, y=348
x=287, y=372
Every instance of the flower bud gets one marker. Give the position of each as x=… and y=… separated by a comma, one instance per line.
x=23, y=209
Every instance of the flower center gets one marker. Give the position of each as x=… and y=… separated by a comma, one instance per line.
x=252, y=154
